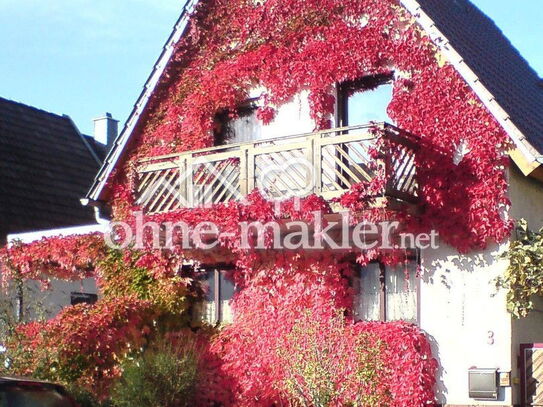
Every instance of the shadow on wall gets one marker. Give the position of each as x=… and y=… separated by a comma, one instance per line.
x=441, y=388
x=445, y=262
x=456, y=291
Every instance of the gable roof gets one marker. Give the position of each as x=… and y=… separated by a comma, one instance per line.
x=470, y=40
x=505, y=82
x=46, y=166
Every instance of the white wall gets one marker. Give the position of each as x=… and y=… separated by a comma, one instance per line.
x=526, y=195
x=41, y=303
x=460, y=305
x=292, y=118
x=459, y=308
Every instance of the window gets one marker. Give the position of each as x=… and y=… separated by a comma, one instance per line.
x=365, y=100
x=82, y=298
x=386, y=293
x=245, y=127
x=218, y=291
x=359, y=102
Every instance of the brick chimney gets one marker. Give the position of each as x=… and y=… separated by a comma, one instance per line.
x=106, y=129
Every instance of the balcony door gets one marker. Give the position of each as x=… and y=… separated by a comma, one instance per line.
x=359, y=102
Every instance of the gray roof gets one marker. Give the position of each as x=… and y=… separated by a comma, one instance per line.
x=514, y=85
x=491, y=56
x=46, y=166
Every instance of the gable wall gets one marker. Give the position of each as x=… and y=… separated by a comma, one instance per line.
x=458, y=308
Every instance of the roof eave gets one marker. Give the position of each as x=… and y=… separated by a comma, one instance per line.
x=525, y=155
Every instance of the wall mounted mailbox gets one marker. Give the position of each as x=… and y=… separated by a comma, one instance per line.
x=483, y=384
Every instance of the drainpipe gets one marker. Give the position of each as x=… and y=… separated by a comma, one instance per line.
x=19, y=301
x=97, y=207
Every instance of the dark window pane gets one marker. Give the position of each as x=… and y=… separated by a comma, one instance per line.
x=226, y=294
x=242, y=129
x=204, y=311
x=208, y=285
x=227, y=287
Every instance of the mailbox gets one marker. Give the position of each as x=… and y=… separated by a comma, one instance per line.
x=483, y=384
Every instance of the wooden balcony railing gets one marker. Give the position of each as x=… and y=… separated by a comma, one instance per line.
x=326, y=163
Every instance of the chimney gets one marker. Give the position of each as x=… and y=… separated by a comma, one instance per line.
x=106, y=129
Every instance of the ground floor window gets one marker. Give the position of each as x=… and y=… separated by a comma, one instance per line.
x=218, y=291
x=82, y=298
x=386, y=293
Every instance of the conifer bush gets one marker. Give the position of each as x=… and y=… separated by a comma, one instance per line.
x=164, y=376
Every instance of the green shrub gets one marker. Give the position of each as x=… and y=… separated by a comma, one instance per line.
x=328, y=362
x=85, y=398
x=164, y=376
x=524, y=275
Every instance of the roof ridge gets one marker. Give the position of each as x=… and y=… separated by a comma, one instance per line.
x=37, y=109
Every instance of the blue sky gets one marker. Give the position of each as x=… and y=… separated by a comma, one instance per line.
x=86, y=57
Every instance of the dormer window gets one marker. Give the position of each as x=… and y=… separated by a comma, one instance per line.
x=364, y=100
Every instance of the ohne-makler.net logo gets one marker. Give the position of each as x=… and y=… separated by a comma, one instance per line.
x=317, y=234
x=291, y=179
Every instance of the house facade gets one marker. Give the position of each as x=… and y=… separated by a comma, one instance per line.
x=46, y=165
x=387, y=111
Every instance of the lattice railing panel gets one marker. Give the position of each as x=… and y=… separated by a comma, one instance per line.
x=215, y=182
x=402, y=172
x=346, y=164
x=326, y=163
x=159, y=190
x=283, y=173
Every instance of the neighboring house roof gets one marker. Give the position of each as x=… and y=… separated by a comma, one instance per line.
x=471, y=41
x=46, y=166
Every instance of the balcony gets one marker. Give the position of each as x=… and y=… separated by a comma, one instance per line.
x=326, y=163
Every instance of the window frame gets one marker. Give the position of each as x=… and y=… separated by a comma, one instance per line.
x=383, y=291
x=217, y=270
x=362, y=85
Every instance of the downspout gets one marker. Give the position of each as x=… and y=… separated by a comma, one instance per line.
x=19, y=300
x=97, y=206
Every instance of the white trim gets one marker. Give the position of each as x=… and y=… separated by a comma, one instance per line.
x=120, y=143
x=39, y=234
x=471, y=78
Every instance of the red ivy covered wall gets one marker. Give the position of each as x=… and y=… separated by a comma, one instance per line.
x=285, y=47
